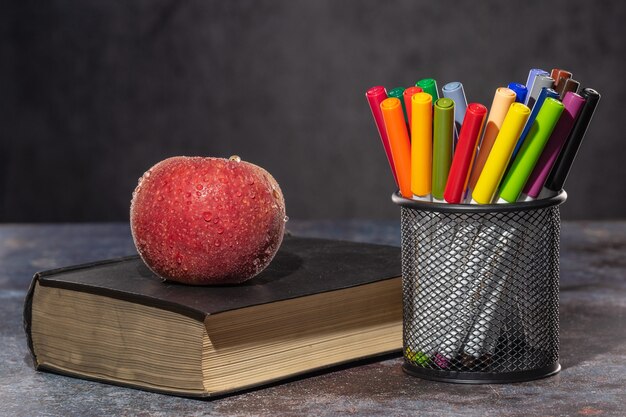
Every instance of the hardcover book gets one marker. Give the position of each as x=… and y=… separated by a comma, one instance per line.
x=320, y=303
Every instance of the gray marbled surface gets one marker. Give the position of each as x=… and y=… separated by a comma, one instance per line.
x=593, y=341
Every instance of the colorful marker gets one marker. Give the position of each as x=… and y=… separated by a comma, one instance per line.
x=399, y=141
x=408, y=93
x=520, y=91
x=564, y=162
x=455, y=91
x=566, y=86
x=499, y=156
x=421, y=145
x=545, y=93
x=443, y=127
x=524, y=163
x=540, y=82
x=573, y=105
x=465, y=153
x=375, y=96
x=532, y=74
x=502, y=101
x=429, y=85
x=558, y=75
x=398, y=93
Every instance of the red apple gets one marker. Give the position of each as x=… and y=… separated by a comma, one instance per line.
x=206, y=221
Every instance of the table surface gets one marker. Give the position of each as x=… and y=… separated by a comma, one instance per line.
x=593, y=341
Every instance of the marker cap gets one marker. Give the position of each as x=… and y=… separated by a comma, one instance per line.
x=398, y=93
x=532, y=74
x=558, y=75
x=566, y=86
x=540, y=82
x=429, y=85
x=454, y=90
x=520, y=91
x=408, y=93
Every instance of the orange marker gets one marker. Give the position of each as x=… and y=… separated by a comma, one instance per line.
x=408, y=93
x=502, y=100
x=399, y=141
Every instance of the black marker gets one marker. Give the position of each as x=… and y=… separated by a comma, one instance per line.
x=564, y=162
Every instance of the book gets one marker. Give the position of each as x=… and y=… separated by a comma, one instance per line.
x=320, y=303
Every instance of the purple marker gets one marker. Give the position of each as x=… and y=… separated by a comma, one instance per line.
x=573, y=105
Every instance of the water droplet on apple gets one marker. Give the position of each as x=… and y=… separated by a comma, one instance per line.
x=286, y=219
x=215, y=220
x=147, y=174
x=235, y=158
x=179, y=259
x=207, y=216
x=250, y=181
x=238, y=193
x=199, y=186
x=217, y=243
x=220, y=231
x=160, y=197
x=275, y=193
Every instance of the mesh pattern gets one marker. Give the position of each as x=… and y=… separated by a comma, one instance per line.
x=480, y=290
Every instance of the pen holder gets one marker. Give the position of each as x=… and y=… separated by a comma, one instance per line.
x=481, y=290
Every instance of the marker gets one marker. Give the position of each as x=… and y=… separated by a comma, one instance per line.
x=465, y=153
x=443, y=127
x=455, y=91
x=563, y=163
x=566, y=86
x=500, y=154
x=399, y=140
x=398, y=93
x=502, y=101
x=429, y=86
x=408, y=93
x=545, y=93
x=573, y=105
x=421, y=145
x=520, y=91
x=532, y=74
x=524, y=163
x=375, y=96
x=540, y=82
x=558, y=75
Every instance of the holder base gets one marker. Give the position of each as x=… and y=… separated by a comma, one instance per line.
x=480, y=377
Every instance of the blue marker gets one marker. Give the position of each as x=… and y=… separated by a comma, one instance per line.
x=454, y=91
x=531, y=80
x=545, y=93
x=520, y=91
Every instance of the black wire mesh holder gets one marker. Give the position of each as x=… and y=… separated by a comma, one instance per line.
x=480, y=290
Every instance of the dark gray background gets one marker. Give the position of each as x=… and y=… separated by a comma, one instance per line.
x=95, y=92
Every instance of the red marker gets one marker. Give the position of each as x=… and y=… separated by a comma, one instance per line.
x=408, y=93
x=465, y=151
x=375, y=96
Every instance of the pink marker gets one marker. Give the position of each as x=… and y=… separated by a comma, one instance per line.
x=573, y=105
x=375, y=96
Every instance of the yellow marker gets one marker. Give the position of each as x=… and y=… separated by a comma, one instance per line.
x=421, y=144
x=502, y=100
x=498, y=159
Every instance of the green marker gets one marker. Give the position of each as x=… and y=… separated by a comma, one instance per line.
x=443, y=126
x=429, y=86
x=529, y=154
x=398, y=93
